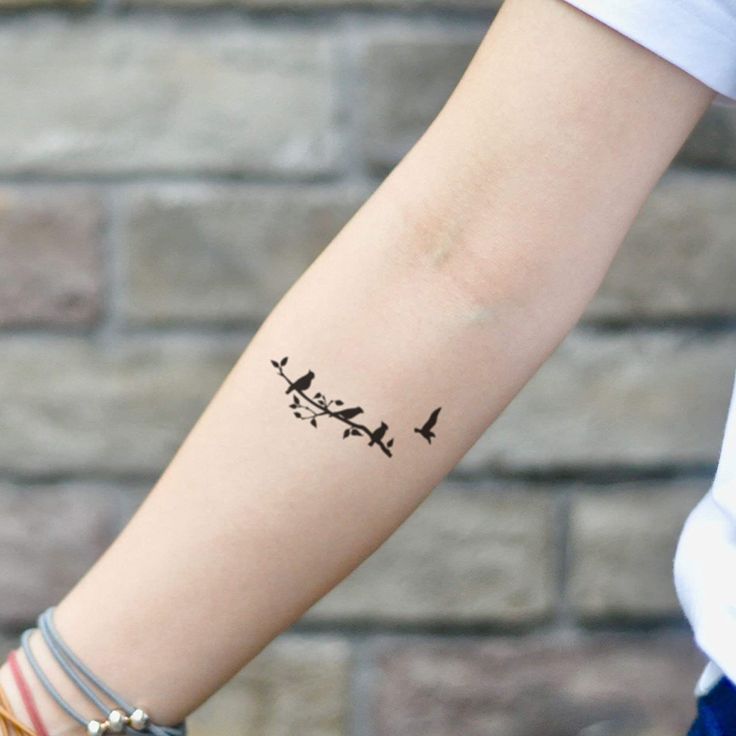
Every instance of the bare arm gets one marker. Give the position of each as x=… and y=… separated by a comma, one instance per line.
x=465, y=268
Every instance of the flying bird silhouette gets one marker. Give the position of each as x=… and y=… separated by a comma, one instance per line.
x=301, y=383
x=348, y=413
x=377, y=434
x=426, y=429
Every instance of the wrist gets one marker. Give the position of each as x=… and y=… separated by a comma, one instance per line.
x=55, y=719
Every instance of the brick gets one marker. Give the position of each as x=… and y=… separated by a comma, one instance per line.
x=648, y=399
x=297, y=684
x=50, y=243
x=622, y=544
x=306, y=5
x=466, y=554
x=225, y=254
x=38, y=4
x=78, y=406
x=159, y=95
x=612, y=685
x=677, y=260
x=642, y=399
x=406, y=78
x=713, y=141
x=49, y=537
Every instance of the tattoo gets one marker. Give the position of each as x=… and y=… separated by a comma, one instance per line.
x=426, y=429
x=317, y=406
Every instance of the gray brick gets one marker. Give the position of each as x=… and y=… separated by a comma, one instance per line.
x=466, y=554
x=49, y=537
x=154, y=94
x=677, y=260
x=608, y=685
x=76, y=406
x=622, y=545
x=297, y=684
x=648, y=398
x=406, y=79
x=227, y=254
x=50, y=254
x=713, y=141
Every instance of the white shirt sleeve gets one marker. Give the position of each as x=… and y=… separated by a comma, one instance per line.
x=703, y=573
x=698, y=36
x=724, y=483
x=705, y=561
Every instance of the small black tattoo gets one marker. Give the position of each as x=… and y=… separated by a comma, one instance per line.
x=318, y=405
x=426, y=429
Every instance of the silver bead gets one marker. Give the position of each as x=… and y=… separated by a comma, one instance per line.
x=138, y=719
x=116, y=721
x=95, y=728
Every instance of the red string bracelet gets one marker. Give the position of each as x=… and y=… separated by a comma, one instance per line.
x=26, y=695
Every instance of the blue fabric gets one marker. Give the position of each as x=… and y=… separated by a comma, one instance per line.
x=716, y=711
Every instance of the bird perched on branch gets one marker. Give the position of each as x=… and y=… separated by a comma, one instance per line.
x=348, y=413
x=377, y=434
x=426, y=429
x=302, y=383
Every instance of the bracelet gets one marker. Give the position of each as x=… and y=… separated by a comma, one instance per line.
x=7, y=715
x=124, y=718
x=26, y=694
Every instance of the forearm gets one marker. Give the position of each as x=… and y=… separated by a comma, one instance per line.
x=454, y=281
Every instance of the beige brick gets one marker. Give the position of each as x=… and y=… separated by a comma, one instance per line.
x=159, y=95
x=468, y=553
x=50, y=250
x=635, y=685
x=298, y=684
x=622, y=544
x=228, y=254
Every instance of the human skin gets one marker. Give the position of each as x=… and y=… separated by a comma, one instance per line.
x=448, y=288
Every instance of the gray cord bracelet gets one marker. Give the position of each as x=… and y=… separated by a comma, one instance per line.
x=124, y=718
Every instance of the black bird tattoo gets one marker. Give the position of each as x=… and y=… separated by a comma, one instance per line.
x=312, y=409
x=377, y=434
x=426, y=429
x=302, y=383
x=348, y=413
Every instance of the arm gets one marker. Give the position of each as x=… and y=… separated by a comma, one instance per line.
x=465, y=268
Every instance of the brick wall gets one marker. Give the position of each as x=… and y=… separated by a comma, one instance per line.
x=167, y=170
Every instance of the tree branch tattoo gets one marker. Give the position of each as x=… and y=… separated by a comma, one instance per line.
x=308, y=408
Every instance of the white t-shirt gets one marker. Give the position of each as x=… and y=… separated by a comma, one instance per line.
x=724, y=483
x=699, y=36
